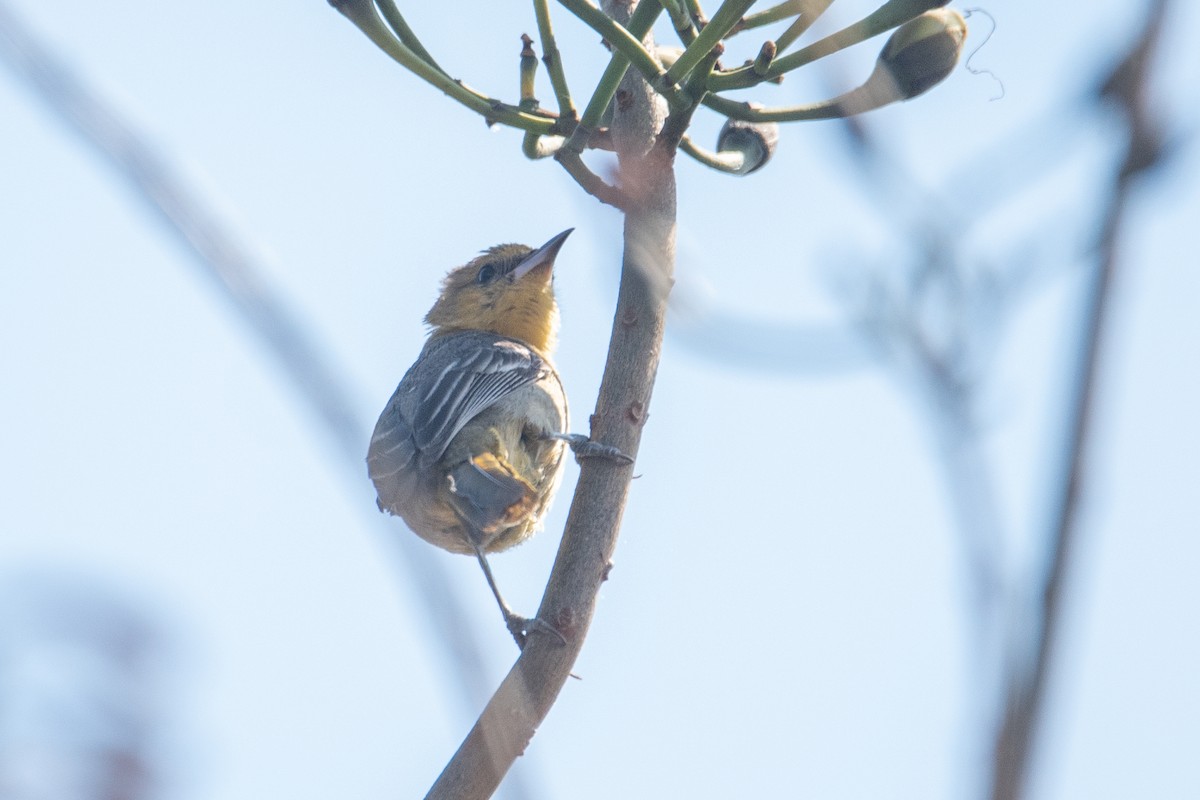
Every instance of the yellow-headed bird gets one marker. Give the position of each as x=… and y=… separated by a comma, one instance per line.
x=469, y=450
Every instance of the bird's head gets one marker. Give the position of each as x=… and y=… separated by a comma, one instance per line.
x=507, y=290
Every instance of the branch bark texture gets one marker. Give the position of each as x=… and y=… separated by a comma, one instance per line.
x=585, y=555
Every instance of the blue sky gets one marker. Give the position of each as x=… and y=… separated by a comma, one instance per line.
x=786, y=616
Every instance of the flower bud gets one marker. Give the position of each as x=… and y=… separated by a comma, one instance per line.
x=755, y=141
x=922, y=52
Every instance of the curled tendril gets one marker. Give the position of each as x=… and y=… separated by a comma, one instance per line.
x=967, y=12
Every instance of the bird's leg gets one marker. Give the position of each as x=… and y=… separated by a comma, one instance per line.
x=584, y=447
x=520, y=627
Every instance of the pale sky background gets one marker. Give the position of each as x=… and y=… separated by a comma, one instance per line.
x=786, y=617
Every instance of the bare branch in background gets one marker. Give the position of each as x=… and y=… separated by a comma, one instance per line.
x=1127, y=91
x=225, y=262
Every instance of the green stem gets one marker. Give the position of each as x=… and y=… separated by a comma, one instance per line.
x=730, y=161
x=679, y=120
x=535, y=146
x=553, y=61
x=639, y=25
x=680, y=18
x=775, y=13
x=364, y=16
x=396, y=20
x=727, y=16
x=630, y=46
x=528, y=73
x=889, y=15
x=873, y=94
x=812, y=9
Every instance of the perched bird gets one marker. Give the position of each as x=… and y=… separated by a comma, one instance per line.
x=469, y=450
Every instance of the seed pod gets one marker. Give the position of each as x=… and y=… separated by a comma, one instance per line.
x=922, y=52
x=755, y=141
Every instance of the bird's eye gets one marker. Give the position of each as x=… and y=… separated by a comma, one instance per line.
x=487, y=273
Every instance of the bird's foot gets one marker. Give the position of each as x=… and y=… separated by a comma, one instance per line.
x=520, y=628
x=584, y=447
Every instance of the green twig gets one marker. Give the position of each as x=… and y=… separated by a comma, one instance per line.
x=535, y=146
x=639, y=25
x=681, y=20
x=765, y=57
x=364, y=16
x=787, y=8
x=852, y=102
x=810, y=11
x=730, y=162
x=554, y=67
x=528, y=71
x=679, y=120
x=719, y=26
x=631, y=47
x=396, y=20
x=890, y=15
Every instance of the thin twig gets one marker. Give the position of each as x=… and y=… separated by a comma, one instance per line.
x=552, y=58
x=591, y=183
x=890, y=15
x=775, y=13
x=639, y=25
x=398, y=24
x=631, y=47
x=366, y=18
x=808, y=15
x=718, y=28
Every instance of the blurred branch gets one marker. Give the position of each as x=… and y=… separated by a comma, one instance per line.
x=1127, y=89
x=223, y=261
x=777, y=12
x=808, y=15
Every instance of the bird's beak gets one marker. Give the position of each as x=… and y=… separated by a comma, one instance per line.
x=542, y=257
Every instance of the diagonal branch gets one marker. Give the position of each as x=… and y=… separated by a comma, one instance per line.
x=224, y=262
x=1026, y=691
x=584, y=558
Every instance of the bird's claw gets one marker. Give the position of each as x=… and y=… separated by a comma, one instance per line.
x=584, y=447
x=520, y=628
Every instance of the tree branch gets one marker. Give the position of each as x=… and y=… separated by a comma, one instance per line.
x=584, y=556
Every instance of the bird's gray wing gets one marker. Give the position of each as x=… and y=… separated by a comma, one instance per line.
x=470, y=379
x=456, y=378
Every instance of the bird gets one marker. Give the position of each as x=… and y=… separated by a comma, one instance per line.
x=469, y=449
